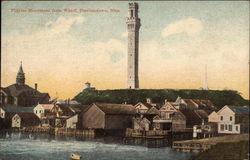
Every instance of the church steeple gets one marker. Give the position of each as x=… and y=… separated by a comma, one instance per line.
x=20, y=78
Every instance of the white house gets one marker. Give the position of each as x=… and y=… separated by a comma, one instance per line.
x=72, y=122
x=233, y=119
x=41, y=109
x=24, y=120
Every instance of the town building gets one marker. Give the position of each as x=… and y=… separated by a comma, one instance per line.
x=141, y=124
x=72, y=122
x=233, y=119
x=25, y=120
x=108, y=116
x=7, y=112
x=20, y=94
x=176, y=122
x=192, y=118
x=193, y=104
x=41, y=110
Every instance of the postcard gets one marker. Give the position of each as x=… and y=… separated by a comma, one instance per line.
x=124, y=80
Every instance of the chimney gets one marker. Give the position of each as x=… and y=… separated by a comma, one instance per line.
x=166, y=101
x=36, y=86
x=149, y=100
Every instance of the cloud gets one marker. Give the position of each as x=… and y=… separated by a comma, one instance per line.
x=61, y=25
x=190, y=26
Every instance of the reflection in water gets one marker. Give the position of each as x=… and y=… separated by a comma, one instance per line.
x=44, y=146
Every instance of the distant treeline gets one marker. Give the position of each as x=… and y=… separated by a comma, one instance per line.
x=133, y=96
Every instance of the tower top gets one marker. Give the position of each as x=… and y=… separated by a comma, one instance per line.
x=133, y=5
x=20, y=78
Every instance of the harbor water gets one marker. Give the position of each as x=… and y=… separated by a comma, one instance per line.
x=26, y=146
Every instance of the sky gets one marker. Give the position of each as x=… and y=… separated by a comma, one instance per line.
x=62, y=50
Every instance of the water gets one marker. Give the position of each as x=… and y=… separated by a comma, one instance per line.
x=20, y=146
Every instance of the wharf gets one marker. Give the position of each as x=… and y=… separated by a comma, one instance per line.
x=200, y=145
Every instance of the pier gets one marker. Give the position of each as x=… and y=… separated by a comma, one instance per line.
x=200, y=145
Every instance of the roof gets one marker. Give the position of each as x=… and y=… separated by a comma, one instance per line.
x=27, y=115
x=47, y=106
x=239, y=109
x=201, y=113
x=15, y=90
x=153, y=110
x=190, y=114
x=81, y=108
x=147, y=105
x=17, y=109
x=116, y=108
x=65, y=108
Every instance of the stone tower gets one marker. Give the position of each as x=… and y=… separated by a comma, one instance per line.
x=20, y=78
x=133, y=25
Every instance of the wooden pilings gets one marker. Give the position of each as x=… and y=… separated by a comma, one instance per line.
x=73, y=132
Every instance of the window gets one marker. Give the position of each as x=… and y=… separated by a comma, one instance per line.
x=221, y=118
x=222, y=127
x=230, y=127
x=231, y=118
x=236, y=128
x=36, y=111
x=225, y=127
x=40, y=111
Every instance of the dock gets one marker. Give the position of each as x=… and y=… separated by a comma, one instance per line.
x=200, y=145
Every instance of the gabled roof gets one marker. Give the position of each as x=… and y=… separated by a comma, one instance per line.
x=47, y=106
x=147, y=105
x=190, y=114
x=201, y=113
x=17, y=109
x=27, y=116
x=108, y=108
x=65, y=108
x=15, y=90
x=239, y=109
x=153, y=111
x=81, y=108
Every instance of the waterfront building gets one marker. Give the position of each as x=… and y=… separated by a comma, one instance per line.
x=192, y=118
x=108, y=116
x=176, y=122
x=233, y=119
x=141, y=124
x=7, y=112
x=42, y=109
x=20, y=94
x=147, y=107
x=72, y=121
x=25, y=120
x=170, y=118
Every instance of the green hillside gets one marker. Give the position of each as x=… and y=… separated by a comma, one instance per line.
x=218, y=97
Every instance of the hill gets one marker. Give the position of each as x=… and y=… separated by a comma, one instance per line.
x=133, y=96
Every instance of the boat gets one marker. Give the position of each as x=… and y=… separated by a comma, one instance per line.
x=75, y=156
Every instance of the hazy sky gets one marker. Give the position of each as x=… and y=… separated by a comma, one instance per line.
x=62, y=51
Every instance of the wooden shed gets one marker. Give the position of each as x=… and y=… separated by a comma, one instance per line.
x=108, y=116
